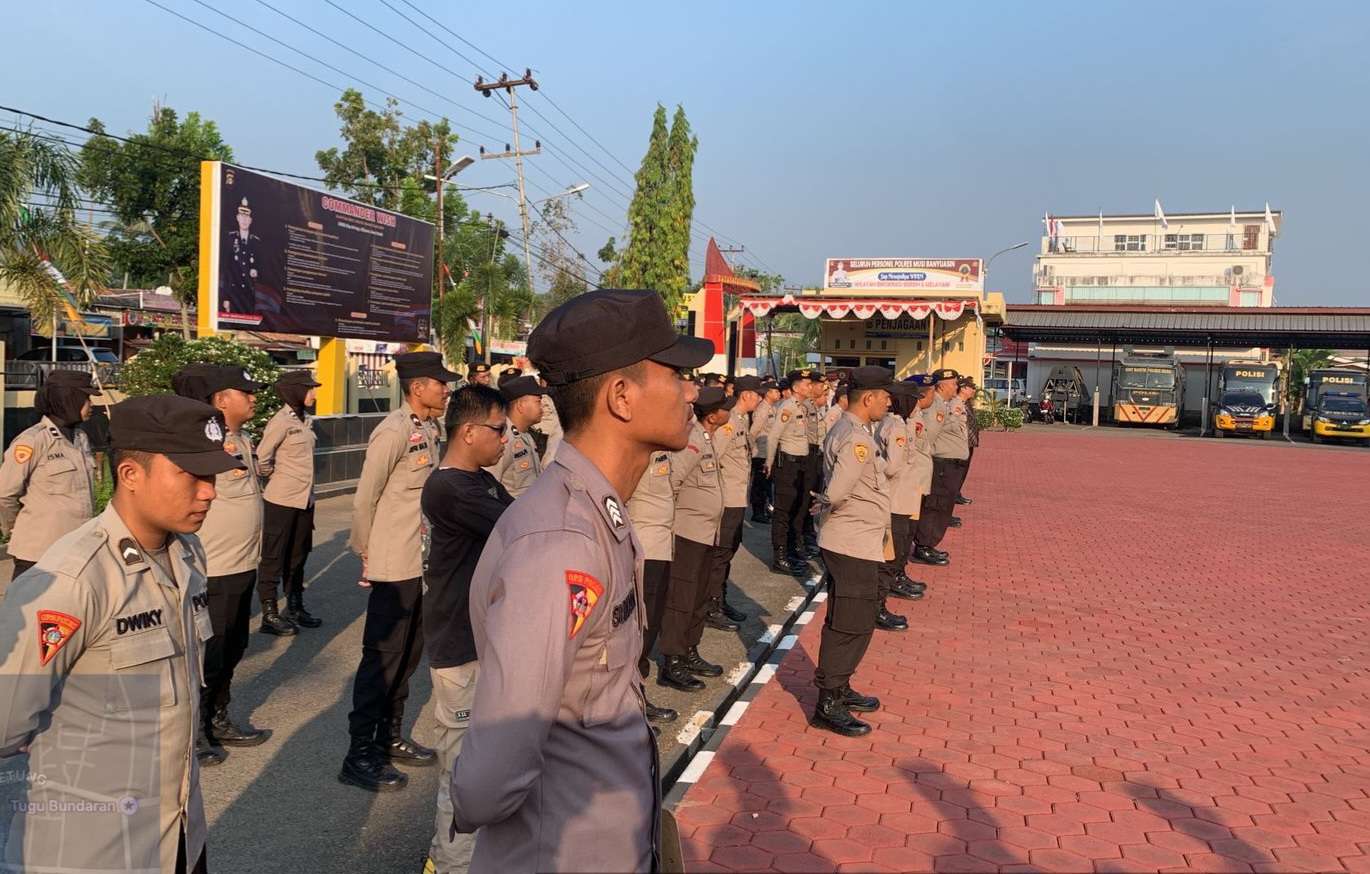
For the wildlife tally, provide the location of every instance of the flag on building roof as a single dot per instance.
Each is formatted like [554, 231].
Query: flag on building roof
[1160, 214]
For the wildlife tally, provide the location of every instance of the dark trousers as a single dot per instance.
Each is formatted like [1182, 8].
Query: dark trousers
[687, 602]
[200, 867]
[287, 538]
[392, 645]
[790, 506]
[20, 566]
[965, 473]
[813, 482]
[935, 516]
[853, 603]
[656, 582]
[230, 612]
[721, 556]
[901, 527]
[760, 489]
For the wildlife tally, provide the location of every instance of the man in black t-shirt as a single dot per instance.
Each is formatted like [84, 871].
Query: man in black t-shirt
[461, 503]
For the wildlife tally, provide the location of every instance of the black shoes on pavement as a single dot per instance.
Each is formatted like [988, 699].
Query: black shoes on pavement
[907, 589]
[297, 615]
[833, 714]
[928, 555]
[783, 564]
[887, 621]
[717, 619]
[222, 731]
[696, 665]
[955, 522]
[963, 500]
[732, 612]
[673, 674]
[406, 751]
[274, 623]
[660, 714]
[858, 703]
[206, 752]
[366, 767]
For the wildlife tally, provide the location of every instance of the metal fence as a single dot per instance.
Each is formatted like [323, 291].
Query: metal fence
[29, 375]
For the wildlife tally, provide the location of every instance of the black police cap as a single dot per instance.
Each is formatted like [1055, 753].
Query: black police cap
[412, 365]
[520, 386]
[806, 373]
[480, 367]
[602, 331]
[73, 379]
[870, 377]
[201, 381]
[944, 373]
[785, 384]
[711, 399]
[188, 432]
[749, 383]
[303, 378]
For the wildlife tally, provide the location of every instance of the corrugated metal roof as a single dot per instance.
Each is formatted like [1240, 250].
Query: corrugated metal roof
[1275, 326]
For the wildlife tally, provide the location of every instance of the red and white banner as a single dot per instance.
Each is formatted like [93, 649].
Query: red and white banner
[863, 308]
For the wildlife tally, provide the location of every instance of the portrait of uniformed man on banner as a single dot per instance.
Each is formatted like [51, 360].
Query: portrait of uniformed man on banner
[237, 288]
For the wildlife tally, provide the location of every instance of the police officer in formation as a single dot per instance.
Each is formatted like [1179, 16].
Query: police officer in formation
[47, 479]
[950, 449]
[231, 537]
[816, 430]
[787, 464]
[892, 434]
[652, 511]
[520, 465]
[698, 491]
[733, 444]
[762, 419]
[100, 654]
[854, 520]
[558, 770]
[387, 532]
[286, 458]
[966, 390]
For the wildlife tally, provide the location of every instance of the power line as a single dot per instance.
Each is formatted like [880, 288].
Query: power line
[498, 64]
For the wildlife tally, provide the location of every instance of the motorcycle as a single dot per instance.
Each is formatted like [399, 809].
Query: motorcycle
[1043, 411]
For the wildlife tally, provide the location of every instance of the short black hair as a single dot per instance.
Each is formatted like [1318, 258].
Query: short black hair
[406, 384]
[854, 395]
[137, 456]
[472, 403]
[575, 402]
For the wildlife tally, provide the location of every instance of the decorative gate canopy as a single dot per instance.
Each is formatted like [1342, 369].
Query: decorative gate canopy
[811, 307]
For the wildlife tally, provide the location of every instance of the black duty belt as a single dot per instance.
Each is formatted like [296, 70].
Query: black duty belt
[792, 455]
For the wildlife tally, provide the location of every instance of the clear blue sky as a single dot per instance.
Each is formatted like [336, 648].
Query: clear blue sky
[854, 129]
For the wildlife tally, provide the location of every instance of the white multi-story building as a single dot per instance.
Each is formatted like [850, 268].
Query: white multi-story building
[1180, 259]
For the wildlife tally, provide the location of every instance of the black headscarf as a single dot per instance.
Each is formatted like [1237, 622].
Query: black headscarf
[292, 393]
[62, 396]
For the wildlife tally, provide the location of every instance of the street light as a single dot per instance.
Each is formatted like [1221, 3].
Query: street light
[1008, 384]
[574, 189]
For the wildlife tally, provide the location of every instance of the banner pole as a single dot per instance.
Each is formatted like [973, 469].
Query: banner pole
[209, 239]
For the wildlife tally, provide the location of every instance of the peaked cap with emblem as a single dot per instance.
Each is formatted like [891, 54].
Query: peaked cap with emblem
[412, 365]
[201, 381]
[796, 375]
[520, 386]
[188, 432]
[712, 398]
[749, 383]
[75, 379]
[870, 377]
[944, 373]
[602, 331]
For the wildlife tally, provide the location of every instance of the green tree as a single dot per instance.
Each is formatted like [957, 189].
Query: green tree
[383, 161]
[152, 183]
[1301, 362]
[150, 371]
[561, 267]
[680, 158]
[645, 262]
[39, 230]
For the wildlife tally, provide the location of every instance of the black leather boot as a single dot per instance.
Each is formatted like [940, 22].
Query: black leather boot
[674, 675]
[206, 752]
[729, 610]
[963, 500]
[715, 619]
[295, 612]
[274, 623]
[660, 714]
[365, 768]
[783, 564]
[405, 750]
[928, 555]
[225, 732]
[858, 703]
[955, 522]
[811, 550]
[833, 715]
[903, 589]
[696, 665]
[914, 586]
[887, 621]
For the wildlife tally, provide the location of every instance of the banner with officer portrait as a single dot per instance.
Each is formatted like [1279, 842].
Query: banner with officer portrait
[890, 274]
[287, 259]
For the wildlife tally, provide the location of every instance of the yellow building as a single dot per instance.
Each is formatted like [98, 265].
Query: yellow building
[912, 315]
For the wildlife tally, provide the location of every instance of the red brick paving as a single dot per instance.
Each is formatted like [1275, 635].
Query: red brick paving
[1148, 654]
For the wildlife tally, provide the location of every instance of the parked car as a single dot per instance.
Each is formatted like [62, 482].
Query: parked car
[28, 371]
[998, 388]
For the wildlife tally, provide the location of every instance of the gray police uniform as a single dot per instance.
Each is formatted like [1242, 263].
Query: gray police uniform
[100, 676]
[550, 427]
[734, 446]
[816, 430]
[387, 529]
[787, 450]
[760, 426]
[851, 535]
[698, 514]
[519, 466]
[652, 510]
[950, 449]
[896, 446]
[286, 457]
[47, 488]
[558, 770]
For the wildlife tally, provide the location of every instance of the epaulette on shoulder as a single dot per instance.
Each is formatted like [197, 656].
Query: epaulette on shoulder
[80, 550]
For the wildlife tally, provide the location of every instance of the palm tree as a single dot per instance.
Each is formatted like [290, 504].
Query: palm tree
[1300, 362]
[44, 250]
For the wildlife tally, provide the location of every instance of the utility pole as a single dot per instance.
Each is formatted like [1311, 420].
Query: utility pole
[440, 184]
[508, 85]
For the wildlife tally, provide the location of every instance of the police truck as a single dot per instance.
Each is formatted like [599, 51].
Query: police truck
[1247, 401]
[1335, 381]
[1148, 388]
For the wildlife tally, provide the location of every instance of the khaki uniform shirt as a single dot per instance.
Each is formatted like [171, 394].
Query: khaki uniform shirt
[47, 488]
[550, 426]
[815, 428]
[286, 457]
[733, 444]
[762, 417]
[920, 460]
[953, 434]
[558, 769]
[232, 532]
[858, 510]
[897, 446]
[652, 509]
[519, 466]
[698, 489]
[831, 416]
[101, 661]
[788, 433]
[402, 452]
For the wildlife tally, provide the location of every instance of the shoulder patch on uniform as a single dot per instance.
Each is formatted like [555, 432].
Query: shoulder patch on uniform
[585, 592]
[54, 630]
[22, 453]
[861, 451]
[614, 510]
[918, 427]
[129, 552]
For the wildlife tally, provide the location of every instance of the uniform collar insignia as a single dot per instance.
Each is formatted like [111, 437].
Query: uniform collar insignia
[614, 510]
[129, 552]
